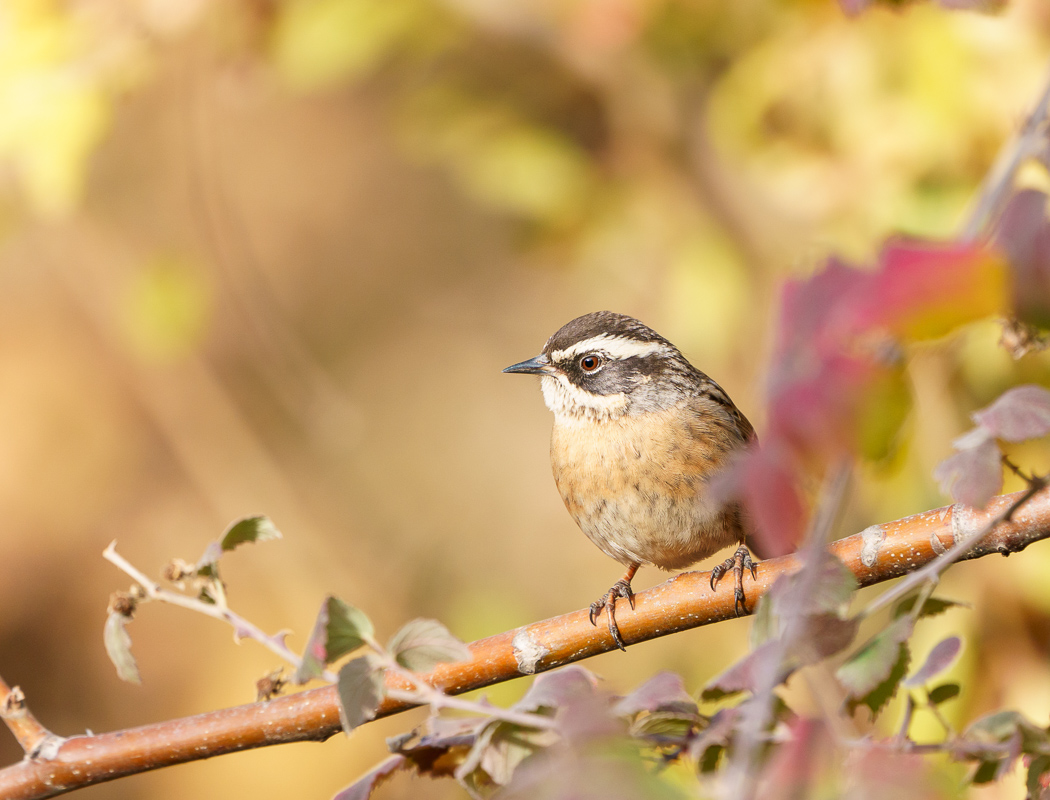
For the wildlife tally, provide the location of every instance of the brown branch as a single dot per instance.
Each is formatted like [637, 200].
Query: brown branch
[35, 739]
[880, 553]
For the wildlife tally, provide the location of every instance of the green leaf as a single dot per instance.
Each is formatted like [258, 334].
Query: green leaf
[881, 694]
[118, 647]
[709, 760]
[339, 629]
[243, 531]
[943, 693]
[987, 772]
[870, 666]
[1037, 769]
[931, 608]
[361, 690]
[422, 644]
[247, 530]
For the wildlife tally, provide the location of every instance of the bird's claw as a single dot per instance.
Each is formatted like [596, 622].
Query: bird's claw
[738, 562]
[622, 588]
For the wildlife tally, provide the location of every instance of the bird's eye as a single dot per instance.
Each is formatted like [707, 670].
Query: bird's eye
[590, 363]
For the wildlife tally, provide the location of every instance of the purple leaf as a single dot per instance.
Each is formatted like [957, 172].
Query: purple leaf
[422, 644]
[553, 689]
[361, 691]
[118, 647]
[362, 788]
[974, 475]
[664, 691]
[940, 658]
[1020, 413]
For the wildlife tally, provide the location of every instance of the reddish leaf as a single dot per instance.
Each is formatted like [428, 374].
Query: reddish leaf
[973, 475]
[362, 788]
[924, 290]
[1020, 413]
[773, 500]
[941, 657]
[816, 316]
[1024, 235]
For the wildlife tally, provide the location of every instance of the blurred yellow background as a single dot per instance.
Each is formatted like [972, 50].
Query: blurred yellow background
[270, 257]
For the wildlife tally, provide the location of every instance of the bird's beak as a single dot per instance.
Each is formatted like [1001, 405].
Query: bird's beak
[540, 365]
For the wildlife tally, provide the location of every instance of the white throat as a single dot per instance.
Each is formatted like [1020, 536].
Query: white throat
[572, 405]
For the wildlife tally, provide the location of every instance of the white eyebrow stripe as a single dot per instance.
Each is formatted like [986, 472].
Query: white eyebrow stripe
[616, 347]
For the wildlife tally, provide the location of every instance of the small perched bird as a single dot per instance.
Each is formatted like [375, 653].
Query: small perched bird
[639, 433]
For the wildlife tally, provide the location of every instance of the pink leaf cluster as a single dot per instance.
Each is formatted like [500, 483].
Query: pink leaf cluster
[836, 382]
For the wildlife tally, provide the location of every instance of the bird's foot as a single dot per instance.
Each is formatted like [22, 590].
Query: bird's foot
[738, 562]
[622, 588]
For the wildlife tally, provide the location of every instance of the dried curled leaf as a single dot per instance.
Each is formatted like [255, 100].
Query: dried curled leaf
[118, 647]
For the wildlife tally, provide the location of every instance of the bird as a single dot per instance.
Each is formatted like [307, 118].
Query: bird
[639, 434]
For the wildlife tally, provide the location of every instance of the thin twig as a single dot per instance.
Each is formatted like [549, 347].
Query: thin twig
[999, 180]
[35, 739]
[421, 694]
[242, 628]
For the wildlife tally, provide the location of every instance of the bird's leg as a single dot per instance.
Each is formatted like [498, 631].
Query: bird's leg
[622, 588]
[738, 562]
